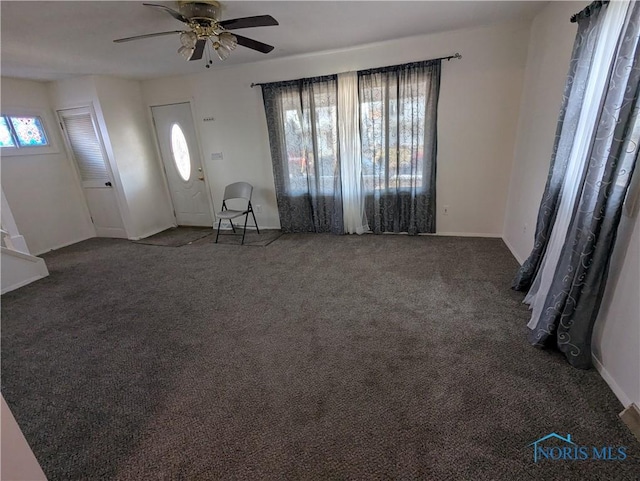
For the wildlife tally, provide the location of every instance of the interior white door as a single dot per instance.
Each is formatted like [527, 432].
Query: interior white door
[86, 147]
[182, 164]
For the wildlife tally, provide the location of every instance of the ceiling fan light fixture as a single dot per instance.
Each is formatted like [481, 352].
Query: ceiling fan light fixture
[222, 51]
[203, 25]
[228, 40]
[186, 52]
[188, 39]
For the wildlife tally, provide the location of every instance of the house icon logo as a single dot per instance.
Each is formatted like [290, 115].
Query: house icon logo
[539, 449]
[554, 447]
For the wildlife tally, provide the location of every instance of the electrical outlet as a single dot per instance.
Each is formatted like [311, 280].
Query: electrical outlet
[216, 156]
[258, 209]
[445, 210]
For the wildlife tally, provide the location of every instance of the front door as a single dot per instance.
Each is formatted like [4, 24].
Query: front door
[182, 164]
[85, 144]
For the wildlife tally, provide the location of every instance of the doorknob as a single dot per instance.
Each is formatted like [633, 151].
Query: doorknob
[108, 184]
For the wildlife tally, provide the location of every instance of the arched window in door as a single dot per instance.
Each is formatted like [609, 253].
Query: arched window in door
[180, 151]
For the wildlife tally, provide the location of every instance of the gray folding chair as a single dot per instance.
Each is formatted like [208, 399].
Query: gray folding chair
[239, 190]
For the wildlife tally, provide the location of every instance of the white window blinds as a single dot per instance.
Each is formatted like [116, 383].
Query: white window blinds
[85, 146]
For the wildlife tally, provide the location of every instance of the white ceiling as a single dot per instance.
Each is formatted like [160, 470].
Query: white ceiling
[48, 40]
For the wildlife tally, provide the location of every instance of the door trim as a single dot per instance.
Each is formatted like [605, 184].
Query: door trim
[100, 232]
[103, 135]
[163, 169]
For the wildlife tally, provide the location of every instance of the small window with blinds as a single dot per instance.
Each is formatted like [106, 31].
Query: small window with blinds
[86, 147]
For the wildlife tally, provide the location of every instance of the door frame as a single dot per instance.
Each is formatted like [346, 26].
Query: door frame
[117, 188]
[163, 169]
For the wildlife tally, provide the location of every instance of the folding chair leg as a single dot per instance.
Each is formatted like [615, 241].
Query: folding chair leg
[232, 226]
[246, 217]
[255, 221]
[218, 233]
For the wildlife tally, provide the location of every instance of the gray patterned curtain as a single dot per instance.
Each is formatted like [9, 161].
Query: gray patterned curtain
[303, 134]
[398, 112]
[571, 305]
[574, 91]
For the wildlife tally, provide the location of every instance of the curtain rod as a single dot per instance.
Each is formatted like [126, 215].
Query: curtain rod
[455, 55]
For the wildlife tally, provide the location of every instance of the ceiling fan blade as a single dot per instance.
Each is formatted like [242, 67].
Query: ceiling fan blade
[170, 11]
[246, 22]
[199, 49]
[253, 44]
[148, 35]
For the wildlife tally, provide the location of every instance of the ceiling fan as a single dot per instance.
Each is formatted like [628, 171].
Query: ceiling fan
[204, 24]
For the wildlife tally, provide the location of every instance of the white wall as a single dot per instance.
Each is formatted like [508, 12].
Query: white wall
[81, 92]
[135, 155]
[18, 461]
[548, 58]
[478, 111]
[616, 339]
[43, 190]
[142, 197]
[616, 336]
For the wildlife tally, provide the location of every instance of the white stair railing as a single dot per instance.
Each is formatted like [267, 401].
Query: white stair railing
[19, 267]
[6, 240]
[11, 238]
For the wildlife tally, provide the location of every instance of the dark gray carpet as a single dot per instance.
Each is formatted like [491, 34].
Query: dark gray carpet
[177, 236]
[319, 357]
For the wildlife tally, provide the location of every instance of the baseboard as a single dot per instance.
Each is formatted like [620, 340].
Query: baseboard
[60, 246]
[613, 385]
[20, 284]
[631, 417]
[152, 232]
[513, 251]
[444, 234]
[109, 233]
[467, 234]
[20, 254]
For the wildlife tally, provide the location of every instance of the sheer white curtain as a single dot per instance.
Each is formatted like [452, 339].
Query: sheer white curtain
[354, 218]
[603, 58]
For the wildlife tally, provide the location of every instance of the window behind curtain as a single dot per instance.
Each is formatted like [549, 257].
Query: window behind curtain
[303, 134]
[392, 136]
[398, 110]
[310, 136]
[397, 116]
